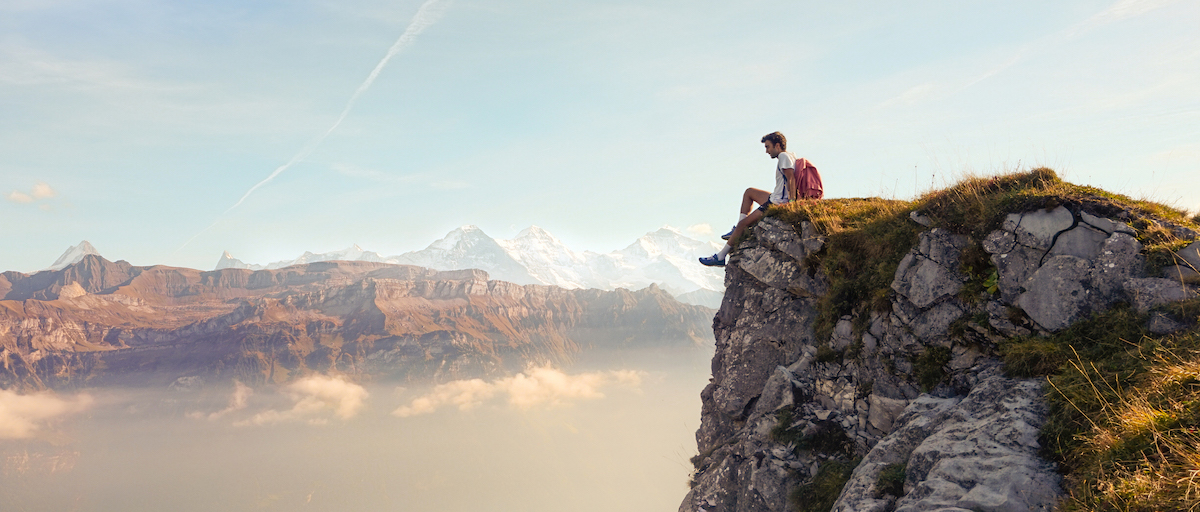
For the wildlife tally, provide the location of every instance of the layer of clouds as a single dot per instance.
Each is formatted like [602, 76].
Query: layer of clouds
[22, 416]
[536, 387]
[316, 399]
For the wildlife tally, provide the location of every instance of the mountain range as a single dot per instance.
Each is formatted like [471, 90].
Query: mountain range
[97, 322]
[664, 257]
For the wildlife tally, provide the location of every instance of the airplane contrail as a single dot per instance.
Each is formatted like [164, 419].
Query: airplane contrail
[426, 15]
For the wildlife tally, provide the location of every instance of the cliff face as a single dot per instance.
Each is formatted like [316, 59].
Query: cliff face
[99, 322]
[904, 406]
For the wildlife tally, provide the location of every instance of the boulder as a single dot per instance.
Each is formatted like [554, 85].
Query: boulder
[1146, 293]
[929, 273]
[974, 453]
[1058, 293]
[1191, 254]
[1181, 273]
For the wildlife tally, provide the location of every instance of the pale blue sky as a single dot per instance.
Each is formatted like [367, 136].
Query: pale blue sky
[137, 124]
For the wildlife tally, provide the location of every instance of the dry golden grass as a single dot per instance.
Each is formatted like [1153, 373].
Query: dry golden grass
[1128, 427]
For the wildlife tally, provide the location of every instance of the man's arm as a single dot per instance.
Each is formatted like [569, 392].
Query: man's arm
[791, 184]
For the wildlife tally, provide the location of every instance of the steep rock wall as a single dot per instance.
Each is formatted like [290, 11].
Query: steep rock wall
[915, 386]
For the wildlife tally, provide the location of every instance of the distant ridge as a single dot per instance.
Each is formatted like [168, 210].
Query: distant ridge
[664, 257]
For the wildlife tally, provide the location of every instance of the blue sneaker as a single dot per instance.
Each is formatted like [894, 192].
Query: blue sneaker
[712, 261]
[728, 235]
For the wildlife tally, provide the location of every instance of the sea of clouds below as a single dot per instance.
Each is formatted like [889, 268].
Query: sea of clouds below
[531, 441]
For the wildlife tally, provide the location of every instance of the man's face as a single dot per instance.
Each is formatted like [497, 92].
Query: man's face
[773, 149]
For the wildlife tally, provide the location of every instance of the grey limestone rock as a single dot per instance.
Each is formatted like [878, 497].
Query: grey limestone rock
[776, 256]
[1160, 323]
[1191, 254]
[1058, 293]
[1181, 273]
[1037, 229]
[929, 273]
[974, 453]
[974, 446]
[1146, 293]
[768, 267]
[1120, 259]
[884, 410]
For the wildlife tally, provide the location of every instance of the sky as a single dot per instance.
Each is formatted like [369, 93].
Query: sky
[166, 132]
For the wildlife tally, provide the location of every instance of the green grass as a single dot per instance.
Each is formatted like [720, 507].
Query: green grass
[827, 438]
[930, 367]
[820, 494]
[891, 481]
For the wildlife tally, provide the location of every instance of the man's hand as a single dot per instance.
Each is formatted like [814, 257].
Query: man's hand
[791, 184]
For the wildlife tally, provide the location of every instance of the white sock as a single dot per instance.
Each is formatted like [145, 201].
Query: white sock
[724, 252]
[742, 216]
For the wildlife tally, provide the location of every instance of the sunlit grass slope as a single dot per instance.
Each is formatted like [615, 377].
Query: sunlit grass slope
[1125, 404]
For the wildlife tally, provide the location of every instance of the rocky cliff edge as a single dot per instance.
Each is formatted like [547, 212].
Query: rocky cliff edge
[844, 379]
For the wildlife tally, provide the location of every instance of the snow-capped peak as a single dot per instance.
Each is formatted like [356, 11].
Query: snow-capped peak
[664, 257]
[453, 238]
[73, 255]
[228, 261]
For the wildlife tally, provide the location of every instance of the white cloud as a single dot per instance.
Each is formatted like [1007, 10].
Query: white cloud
[237, 402]
[41, 190]
[465, 394]
[700, 229]
[22, 415]
[536, 387]
[316, 398]
[17, 196]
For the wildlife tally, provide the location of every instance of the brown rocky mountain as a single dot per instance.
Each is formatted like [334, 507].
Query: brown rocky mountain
[99, 322]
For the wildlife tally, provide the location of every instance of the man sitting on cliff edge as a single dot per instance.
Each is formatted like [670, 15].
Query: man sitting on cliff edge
[790, 185]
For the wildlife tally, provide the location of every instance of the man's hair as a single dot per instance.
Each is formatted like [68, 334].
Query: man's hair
[776, 138]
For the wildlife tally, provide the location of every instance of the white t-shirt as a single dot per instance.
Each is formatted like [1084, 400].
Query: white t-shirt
[786, 161]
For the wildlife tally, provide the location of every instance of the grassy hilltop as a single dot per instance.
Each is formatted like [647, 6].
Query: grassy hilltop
[1125, 404]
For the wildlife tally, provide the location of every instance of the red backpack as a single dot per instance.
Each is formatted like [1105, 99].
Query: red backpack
[808, 180]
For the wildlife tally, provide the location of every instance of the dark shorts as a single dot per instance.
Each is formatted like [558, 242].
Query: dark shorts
[763, 208]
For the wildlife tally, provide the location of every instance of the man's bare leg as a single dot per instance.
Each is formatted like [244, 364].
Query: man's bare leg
[751, 196]
[745, 223]
[718, 259]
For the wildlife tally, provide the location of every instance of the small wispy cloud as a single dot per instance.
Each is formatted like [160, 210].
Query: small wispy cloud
[536, 387]
[1121, 10]
[22, 65]
[237, 402]
[315, 399]
[353, 171]
[40, 191]
[21, 416]
[450, 185]
[931, 90]
[703, 229]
